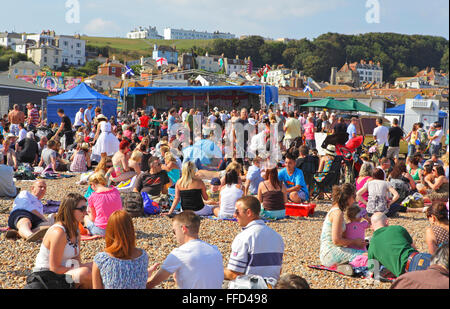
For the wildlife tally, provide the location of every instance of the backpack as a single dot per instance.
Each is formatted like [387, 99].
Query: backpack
[423, 137]
[150, 206]
[132, 203]
[49, 280]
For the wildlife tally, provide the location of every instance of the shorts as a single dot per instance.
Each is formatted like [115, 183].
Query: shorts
[311, 144]
[300, 194]
[420, 261]
[392, 152]
[95, 230]
[18, 214]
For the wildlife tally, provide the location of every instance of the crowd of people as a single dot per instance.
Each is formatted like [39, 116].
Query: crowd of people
[147, 151]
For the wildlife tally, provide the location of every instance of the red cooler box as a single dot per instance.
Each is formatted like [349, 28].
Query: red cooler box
[299, 210]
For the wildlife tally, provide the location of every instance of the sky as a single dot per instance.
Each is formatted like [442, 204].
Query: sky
[293, 19]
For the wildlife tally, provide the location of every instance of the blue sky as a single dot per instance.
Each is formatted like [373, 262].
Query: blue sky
[269, 18]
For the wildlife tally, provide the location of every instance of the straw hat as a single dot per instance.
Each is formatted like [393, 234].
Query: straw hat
[330, 150]
[101, 116]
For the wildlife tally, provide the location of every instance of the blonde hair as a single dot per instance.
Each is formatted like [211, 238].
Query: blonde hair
[187, 174]
[97, 178]
[164, 149]
[136, 156]
[169, 157]
[445, 159]
[234, 166]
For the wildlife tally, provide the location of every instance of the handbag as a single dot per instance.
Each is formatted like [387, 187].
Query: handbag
[47, 280]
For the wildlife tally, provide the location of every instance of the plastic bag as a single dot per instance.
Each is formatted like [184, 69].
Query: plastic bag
[150, 207]
[251, 282]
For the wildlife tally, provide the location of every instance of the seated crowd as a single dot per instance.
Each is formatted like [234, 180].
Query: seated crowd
[248, 194]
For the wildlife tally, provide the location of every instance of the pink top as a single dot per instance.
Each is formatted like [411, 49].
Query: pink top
[309, 130]
[104, 204]
[359, 185]
[356, 230]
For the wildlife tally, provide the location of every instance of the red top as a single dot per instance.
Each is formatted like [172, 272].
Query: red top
[144, 121]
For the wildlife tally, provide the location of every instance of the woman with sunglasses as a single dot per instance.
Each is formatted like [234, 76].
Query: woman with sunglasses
[60, 248]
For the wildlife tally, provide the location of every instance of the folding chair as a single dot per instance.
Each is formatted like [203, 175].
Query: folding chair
[331, 178]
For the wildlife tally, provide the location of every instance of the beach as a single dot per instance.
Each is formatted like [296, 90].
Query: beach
[154, 234]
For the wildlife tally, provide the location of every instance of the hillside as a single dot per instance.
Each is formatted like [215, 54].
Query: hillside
[134, 48]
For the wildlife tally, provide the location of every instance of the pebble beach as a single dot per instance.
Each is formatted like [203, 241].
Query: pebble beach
[154, 234]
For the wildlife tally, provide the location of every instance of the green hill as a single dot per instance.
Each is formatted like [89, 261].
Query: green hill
[134, 48]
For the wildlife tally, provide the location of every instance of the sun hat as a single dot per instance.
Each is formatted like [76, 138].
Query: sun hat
[10, 135]
[330, 150]
[101, 116]
[85, 146]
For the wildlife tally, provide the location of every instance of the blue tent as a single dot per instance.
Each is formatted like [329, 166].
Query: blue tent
[271, 92]
[80, 96]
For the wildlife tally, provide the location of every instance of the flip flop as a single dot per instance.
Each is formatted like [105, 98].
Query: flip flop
[38, 235]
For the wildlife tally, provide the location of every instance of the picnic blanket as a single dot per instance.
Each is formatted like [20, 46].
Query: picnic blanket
[53, 176]
[234, 219]
[359, 272]
[51, 207]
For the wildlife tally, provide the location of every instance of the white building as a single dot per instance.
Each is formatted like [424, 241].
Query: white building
[208, 63]
[13, 41]
[280, 77]
[144, 33]
[73, 47]
[181, 34]
[235, 65]
[369, 72]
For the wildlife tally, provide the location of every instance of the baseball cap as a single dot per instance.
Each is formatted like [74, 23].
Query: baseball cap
[215, 181]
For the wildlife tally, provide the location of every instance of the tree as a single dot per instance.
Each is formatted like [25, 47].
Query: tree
[444, 61]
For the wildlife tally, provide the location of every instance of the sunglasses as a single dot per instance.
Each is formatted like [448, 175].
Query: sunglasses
[82, 208]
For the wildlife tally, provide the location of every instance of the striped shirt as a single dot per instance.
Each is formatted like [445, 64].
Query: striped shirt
[257, 250]
[33, 116]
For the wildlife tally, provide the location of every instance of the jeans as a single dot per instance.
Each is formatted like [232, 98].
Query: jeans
[420, 261]
[435, 149]
[95, 230]
[411, 150]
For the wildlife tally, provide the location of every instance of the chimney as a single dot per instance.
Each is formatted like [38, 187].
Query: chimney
[362, 61]
[142, 60]
[206, 54]
[114, 57]
[333, 75]
[371, 62]
[379, 64]
[237, 57]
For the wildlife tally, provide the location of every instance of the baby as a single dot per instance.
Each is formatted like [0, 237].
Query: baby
[357, 227]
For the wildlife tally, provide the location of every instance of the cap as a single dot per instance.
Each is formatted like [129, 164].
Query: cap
[215, 181]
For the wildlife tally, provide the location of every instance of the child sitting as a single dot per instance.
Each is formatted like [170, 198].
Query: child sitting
[357, 227]
[80, 159]
[213, 192]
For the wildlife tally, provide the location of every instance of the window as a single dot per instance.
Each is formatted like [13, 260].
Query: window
[78, 44]
[45, 59]
[45, 51]
[78, 52]
[56, 60]
[66, 43]
[56, 52]
[113, 70]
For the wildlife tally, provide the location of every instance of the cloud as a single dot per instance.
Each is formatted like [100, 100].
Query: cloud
[100, 26]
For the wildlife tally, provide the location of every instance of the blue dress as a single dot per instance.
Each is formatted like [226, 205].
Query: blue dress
[122, 274]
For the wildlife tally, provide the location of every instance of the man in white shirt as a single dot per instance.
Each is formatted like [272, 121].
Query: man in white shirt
[22, 132]
[381, 133]
[351, 129]
[195, 264]
[435, 140]
[184, 115]
[79, 116]
[88, 115]
[27, 216]
[257, 250]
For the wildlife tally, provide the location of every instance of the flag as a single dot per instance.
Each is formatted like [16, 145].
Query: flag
[220, 62]
[160, 61]
[129, 71]
[308, 89]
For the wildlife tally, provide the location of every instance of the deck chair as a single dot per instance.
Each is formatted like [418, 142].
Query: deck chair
[331, 179]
